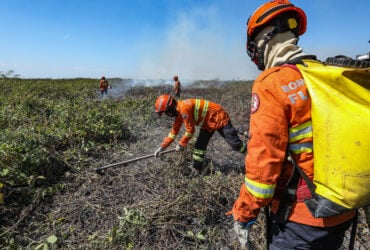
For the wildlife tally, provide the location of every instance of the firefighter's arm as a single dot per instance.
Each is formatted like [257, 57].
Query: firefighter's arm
[266, 153]
[189, 129]
[173, 134]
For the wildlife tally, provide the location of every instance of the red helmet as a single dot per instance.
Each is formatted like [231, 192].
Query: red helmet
[175, 77]
[282, 15]
[163, 103]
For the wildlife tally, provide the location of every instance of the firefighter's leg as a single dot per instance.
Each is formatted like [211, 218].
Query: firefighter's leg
[200, 149]
[230, 134]
[292, 235]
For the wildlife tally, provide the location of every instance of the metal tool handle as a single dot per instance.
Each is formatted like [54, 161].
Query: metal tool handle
[98, 170]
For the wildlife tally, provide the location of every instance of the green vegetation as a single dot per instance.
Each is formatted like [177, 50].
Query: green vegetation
[49, 126]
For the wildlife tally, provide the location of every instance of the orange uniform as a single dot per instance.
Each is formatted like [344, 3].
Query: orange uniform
[280, 120]
[103, 84]
[177, 88]
[196, 112]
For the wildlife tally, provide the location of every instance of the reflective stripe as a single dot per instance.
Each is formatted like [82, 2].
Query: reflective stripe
[299, 148]
[199, 151]
[196, 111]
[259, 190]
[198, 158]
[172, 136]
[300, 132]
[204, 113]
[189, 135]
[198, 155]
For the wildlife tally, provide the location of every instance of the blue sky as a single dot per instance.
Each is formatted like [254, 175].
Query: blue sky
[155, 39]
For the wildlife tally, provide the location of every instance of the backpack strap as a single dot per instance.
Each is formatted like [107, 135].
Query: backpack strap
[290, 193]
[299, 60]
[353, 232]
[309, 183]
[287, 198]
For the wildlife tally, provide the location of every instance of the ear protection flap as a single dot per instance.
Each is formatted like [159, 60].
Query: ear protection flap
[287, 22]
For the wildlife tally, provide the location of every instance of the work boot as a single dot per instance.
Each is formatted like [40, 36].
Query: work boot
[198, 166]
[194, 169]
[201, 168]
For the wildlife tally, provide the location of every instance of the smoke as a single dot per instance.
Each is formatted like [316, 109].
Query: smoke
[119, 87]
[199, 46]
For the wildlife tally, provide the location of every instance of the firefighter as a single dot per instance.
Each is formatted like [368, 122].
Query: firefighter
[103, 85]
[209, 116]
[177, 86]
[280, 120]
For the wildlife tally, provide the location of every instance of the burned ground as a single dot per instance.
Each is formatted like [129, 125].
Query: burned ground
[153, 203]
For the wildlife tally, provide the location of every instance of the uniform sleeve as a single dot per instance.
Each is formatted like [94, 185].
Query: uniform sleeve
[174, 132]
[268, 138]
[189, 123]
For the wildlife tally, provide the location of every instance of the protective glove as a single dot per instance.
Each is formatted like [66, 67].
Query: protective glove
[158, 151]
[242, 231]
[179, 148]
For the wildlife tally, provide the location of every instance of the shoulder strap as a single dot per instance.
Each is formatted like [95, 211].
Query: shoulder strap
[353, 232]
[309, 183]
[299, 60]
[289, 194]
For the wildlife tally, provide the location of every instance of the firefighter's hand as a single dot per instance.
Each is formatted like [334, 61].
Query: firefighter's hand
[242, 231]
[158, 151]
[179, 148]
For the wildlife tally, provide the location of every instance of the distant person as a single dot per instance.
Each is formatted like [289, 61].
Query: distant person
[104, 85]
[209, 116]
[177, 86]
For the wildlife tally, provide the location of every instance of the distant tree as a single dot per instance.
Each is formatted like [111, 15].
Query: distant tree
[9, 74]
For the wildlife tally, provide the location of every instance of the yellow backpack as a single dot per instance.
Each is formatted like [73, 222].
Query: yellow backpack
[340, 98]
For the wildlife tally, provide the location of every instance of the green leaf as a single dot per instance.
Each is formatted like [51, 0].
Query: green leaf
[200, 236]
[4, 172]
[190, 233]
[52, 239]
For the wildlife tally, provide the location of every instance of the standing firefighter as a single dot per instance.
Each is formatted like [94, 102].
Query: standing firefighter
[103, 85]
[177, 86]
[280, 130]
[209, 116]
